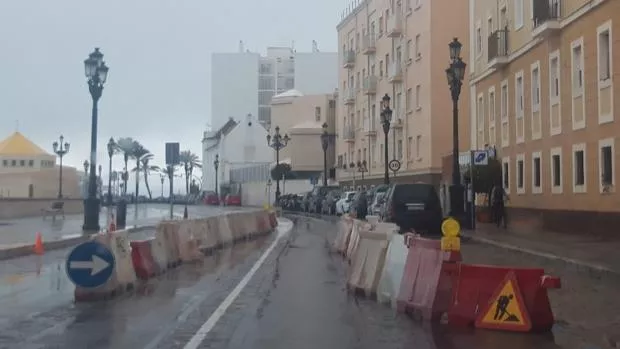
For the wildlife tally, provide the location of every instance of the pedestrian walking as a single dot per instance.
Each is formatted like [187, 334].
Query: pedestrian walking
[498, 199]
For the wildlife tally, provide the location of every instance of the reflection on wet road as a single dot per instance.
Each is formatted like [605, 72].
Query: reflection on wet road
[296, 299]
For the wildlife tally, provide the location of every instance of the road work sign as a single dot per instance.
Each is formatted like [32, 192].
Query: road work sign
[506, 310]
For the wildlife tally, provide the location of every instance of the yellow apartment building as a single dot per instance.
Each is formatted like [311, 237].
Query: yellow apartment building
[398, 47]
[542, 90]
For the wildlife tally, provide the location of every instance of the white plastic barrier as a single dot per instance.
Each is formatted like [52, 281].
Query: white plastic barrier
[123, 277]
[393, 269]
[369, 259]
[158, 250]
[344, 232]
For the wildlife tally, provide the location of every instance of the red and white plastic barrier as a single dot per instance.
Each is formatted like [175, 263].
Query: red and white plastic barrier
[174, 242]
[426, 277]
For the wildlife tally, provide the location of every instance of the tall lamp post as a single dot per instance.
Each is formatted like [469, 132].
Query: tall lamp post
[96, 72]
[162, 178]
[277, 142]
[325, 144]
[111, 150]
[455, 74]
[216, 165]
[61, 148]
[386, 119]
[86, 165]
[362, 167]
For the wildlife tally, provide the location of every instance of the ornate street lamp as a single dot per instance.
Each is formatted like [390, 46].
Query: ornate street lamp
[96, 73]
[111, 151]
[362, 167]
[216, 165]
[61, 148]
[86, 166]
[162, 178]
[277, 142]
[455, 74]
[325, 144]
[386, 119]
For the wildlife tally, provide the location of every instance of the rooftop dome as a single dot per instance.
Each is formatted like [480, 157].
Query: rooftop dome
[18, 144]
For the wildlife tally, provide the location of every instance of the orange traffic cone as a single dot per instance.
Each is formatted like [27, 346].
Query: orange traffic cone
[38, 245]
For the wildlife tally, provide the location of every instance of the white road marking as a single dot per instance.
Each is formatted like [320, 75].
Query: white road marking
[203, 331]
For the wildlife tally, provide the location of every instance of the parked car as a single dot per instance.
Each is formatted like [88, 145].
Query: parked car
[317, 196]
[359, 206]
[382, 188]
[376, 207]
[414, 207]
[211, 198]
[343, 205]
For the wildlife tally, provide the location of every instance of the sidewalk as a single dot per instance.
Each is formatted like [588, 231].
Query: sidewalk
[593, 252]
[23, 230]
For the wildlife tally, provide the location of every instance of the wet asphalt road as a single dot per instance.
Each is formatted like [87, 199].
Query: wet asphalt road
[296, 299]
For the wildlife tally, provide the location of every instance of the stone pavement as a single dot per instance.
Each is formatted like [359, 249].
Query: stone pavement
[585, 250]
[23, 230]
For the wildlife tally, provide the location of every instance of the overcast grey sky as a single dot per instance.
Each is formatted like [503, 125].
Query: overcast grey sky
[158, 52]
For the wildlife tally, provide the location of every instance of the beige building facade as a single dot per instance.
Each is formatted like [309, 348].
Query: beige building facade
[28, 171]
[399, 48]
[543, 91]
[302, 118]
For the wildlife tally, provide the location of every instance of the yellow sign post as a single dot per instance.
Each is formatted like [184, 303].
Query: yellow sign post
[450, 228]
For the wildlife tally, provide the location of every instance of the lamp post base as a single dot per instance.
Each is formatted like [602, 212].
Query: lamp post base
[457, 201]
[91, 215]
[185, 215]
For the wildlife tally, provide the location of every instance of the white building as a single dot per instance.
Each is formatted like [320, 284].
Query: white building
[239, 143]
[244, 82]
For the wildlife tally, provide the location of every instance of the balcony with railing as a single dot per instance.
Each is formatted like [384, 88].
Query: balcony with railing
[369, 44]
[348, 133]
[395, 25]
[348, 59]
[349, 96]
[498, 48]
[546, 16]
[370, 127]
[395, 72]
[370, 85]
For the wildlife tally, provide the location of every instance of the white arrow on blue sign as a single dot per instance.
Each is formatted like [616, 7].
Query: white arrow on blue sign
[481, 157]
[90, 264]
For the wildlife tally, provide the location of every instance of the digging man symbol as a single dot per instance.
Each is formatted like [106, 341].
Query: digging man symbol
[501, 309]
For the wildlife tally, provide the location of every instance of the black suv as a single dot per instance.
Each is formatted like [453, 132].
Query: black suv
[414, 206]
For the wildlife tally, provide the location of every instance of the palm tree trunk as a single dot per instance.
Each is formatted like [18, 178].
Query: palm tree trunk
[125, 177]
[137, 178]
[146, 182]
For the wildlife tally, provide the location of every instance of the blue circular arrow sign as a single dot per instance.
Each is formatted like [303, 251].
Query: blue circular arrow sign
[90, 264]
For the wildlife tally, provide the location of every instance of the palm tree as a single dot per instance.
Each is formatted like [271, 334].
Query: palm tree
[139, 152]
[146, 171]
[168, 171]
[189, 161]
[126, 147]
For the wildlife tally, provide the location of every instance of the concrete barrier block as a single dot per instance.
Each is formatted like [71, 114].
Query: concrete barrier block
[123, 277]
[188, 242]
[167, 233]
[225, 233]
